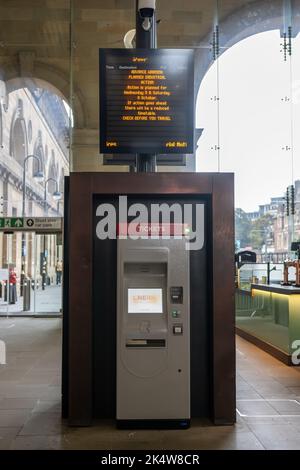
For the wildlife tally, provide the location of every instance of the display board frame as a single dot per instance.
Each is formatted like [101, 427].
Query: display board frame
[180, 145]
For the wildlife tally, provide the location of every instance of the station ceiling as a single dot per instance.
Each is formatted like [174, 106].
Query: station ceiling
[43, 25]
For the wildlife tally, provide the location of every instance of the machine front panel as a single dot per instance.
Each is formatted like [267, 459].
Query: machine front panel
[153, 349]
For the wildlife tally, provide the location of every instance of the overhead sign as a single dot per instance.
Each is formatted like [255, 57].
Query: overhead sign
[43, 223]
[147, 101]
[35, 224]
[11, 222]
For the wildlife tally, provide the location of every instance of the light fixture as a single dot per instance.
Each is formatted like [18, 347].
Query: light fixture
[129, 39]
[38, 176]
[56, 195]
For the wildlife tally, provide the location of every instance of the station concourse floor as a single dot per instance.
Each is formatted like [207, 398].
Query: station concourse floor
[268, 401]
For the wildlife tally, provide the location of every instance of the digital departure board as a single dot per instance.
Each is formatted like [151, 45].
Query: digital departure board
[147, 101]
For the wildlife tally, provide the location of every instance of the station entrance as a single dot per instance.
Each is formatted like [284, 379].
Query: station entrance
[31, 267]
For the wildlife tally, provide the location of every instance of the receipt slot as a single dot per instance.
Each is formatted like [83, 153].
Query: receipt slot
[153, 337]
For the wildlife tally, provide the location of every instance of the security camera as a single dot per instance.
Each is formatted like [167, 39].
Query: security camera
[146, 10]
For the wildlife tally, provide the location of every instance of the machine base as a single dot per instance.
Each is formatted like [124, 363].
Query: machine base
[153, 423]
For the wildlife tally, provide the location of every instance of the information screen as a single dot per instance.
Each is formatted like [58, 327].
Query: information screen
[145, 301]
[147, 101]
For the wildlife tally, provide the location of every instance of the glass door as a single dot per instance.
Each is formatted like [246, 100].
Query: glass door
[11, 268]
[30, 274]
[48, 274]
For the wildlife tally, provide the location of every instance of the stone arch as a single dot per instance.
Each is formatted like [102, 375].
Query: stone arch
[253, 18]
[18, 136]
[55, 79]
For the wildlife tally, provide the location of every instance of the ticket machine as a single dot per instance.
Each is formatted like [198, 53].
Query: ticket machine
[153, 337]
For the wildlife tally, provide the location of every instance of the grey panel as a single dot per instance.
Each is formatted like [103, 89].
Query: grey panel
[153, 348]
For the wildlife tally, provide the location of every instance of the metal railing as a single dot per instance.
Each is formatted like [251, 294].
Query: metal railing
[274, 257]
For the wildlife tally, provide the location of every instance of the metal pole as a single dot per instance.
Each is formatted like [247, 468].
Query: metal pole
[45, 197]
[289, 217]
[8, 266]
[45, 193]
[145, 163]
[44, 239]
[24, 188]
[71, 88]
[44, 260]
[23, 242]
[35, 266]
[60, 201]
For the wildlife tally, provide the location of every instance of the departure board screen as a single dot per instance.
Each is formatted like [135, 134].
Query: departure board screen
[147, 101]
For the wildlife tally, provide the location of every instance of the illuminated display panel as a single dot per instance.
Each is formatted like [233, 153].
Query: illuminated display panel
[145, 301]
[147, 101]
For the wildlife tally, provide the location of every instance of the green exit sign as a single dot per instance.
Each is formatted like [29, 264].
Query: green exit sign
[11, 222]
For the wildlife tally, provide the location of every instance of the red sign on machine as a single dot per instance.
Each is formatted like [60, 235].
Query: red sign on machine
[152, 229]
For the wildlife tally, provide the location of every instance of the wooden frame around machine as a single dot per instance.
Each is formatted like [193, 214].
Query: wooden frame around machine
[78, 319]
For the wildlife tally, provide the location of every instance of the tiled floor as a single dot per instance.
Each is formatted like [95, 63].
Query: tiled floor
[268, 394]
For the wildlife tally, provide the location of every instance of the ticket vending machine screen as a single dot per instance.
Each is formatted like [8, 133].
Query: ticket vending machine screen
[145, 301]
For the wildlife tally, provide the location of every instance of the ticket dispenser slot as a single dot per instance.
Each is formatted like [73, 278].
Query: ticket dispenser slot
[152, 345]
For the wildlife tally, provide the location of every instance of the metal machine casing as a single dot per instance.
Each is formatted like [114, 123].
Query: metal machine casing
[153, 349]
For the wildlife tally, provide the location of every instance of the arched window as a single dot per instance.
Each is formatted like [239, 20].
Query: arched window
[18, 136]
[30, 130]
[52, 173]
[38, 152]
[62, 181]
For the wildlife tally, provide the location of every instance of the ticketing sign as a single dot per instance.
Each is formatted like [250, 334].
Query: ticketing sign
[147, 101]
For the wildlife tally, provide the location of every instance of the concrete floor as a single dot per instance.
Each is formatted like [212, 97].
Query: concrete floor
[268, 404]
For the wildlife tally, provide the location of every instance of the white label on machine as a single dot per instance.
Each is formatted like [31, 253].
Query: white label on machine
[145, 301]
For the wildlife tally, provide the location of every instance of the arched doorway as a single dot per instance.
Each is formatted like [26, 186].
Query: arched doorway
[36, 127]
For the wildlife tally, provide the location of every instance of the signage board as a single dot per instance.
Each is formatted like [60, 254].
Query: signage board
[43, 223]
[11, 222]
[147, 101]
[35, 224]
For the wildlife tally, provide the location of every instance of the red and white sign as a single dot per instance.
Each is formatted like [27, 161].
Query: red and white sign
[152, 229]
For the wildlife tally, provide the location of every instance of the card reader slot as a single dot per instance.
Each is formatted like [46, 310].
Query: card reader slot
[146, 343]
